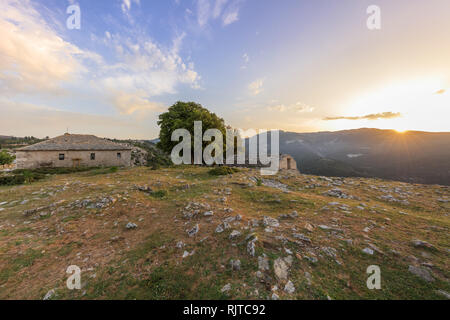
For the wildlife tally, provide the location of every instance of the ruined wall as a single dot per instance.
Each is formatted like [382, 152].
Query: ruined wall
[38, 159]
[287, 162]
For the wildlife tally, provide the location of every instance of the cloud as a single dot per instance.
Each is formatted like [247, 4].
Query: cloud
[33, 57]
[36, 61]
[256, 87]
[131, 103]
[299, 107]
[203, 12]
[375, 116]
[146, 70]
[230, 17]
[227, 11]
[126, 5]
[246, 59]
[218, 8]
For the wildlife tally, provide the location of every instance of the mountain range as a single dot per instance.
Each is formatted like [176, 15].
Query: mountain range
[412, 156]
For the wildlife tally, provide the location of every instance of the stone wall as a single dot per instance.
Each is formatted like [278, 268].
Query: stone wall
[287, 162]
[39, 159]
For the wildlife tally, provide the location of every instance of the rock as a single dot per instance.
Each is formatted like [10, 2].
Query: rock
[226, 288]
[422, 244]
[235, 265]
[281, 269]
[309, 227]
[311, 259]
[301, 237]
[421, 272]
[180, 244]
[193, 231]
[251, 247]
[308, 278]
[234, 234]
[219, 229]
[131, 225]
[368, 251]
[275, 297]
[50, 294]
[324, 227]
[263, 263]
[292, 215]
[270, 222]
[289, 287]
[443, 293]
[187, 254]
[30, 212]
[208, 214]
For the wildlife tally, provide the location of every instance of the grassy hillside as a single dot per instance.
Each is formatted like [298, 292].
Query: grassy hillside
[189, 225]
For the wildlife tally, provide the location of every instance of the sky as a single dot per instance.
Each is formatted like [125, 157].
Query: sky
[301, 66]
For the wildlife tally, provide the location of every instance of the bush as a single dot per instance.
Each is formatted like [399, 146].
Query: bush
[6, 158]
[12, 180]
[158, 194]
[222, 171]
[54, 170]
[18, 179]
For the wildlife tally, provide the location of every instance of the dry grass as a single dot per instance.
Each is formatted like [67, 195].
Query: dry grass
[144, 263]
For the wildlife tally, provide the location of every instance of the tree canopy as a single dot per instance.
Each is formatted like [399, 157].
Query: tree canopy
[182, 115]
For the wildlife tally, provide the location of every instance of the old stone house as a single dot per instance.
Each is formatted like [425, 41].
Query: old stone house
[73, 150]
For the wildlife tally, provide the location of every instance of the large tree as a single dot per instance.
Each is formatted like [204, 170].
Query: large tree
[182, 116]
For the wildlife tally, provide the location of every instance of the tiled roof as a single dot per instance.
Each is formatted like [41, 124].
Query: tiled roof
[75, 142]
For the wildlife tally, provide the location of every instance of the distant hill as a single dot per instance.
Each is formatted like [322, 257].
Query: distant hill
[413, 156]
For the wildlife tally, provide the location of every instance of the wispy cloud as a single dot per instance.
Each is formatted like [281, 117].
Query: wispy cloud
[246, 59]
[374, 116]
[126, 5]
[225, 10]
[298, 107]
[256, 87]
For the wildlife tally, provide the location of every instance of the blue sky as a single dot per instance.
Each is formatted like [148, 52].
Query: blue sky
[290, 64]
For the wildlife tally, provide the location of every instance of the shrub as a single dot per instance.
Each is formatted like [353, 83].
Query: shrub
[18, 179]
[6, 158]
[158, 194]
[222, 171]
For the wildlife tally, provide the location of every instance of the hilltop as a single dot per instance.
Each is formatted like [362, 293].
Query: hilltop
[181, 233]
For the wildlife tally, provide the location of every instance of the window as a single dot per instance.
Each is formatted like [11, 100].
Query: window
[92, 156]
[61, 156]
[119, 155]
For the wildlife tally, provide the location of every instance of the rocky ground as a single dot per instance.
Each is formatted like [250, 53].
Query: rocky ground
[180, 233]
